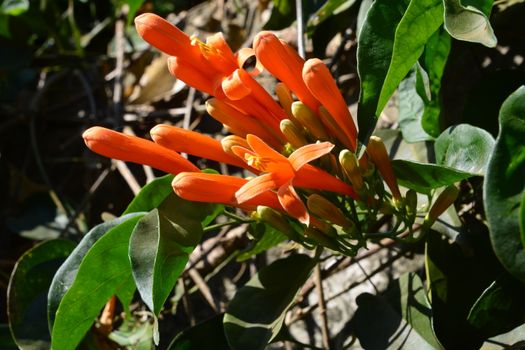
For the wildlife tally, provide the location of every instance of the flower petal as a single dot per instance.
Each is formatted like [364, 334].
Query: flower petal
[311, 177]
[274, 162]
[293, 205]
[306, 154]
[257, 186]
[234, 87]
[191, 75]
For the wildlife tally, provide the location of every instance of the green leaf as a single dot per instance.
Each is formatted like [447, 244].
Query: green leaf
[402, 318]
[206, 335]
[457, 274]
[424, 177]
[505, 183]
[134, 335]
[468, 20]
[329, 9]
[464, 147]
[256, 313]
[105, 271]
[151, 195]
[522, 219]
[282, 15]
[160, 245]
[66, 274]
[411, 109]
[434, 59]
[391, 40]
[14, 7]
[134, 5]
[500, 308]
[270, 238]
[28, 289]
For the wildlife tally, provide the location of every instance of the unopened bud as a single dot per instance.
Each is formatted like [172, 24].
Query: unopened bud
[444, 200]
[309, 120]
[233, 140]
[321, 238]
[324, 209]
[348, 161]
[377, 151]
[411, 204]
[293, 134]
[278, 221]
[331, 124]
[285, 98]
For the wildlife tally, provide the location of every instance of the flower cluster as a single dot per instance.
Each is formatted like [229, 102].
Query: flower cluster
[301, 149]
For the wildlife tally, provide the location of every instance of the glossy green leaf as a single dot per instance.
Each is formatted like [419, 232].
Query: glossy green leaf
[256, 313]
[329, 9]
[468, 20]
[66, 274]
[391, 40]
[151, 195]
[464, 147]
[457, 273]
[28, 289]
[434, 59]
[134, 5]
[505, 183]
[522, 219]
[134, 335]
[269, 239]
[282, 15]
[14, 7]
[500, 308]
[411, 108]
[206, 335]
[105, 271]
[160, 245]
[424, 177]
[402, 318]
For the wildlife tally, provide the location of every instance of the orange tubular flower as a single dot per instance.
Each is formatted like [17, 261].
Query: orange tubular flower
[194, 143]
[284, 64]
[215, 188]
[279, 173]
[113, 144]
[321, 84]
[377, 151]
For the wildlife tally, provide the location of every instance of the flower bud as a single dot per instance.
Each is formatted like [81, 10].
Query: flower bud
[377, 151]
[277, 220]
[348, 162]
[321, 238]
[444, 200]
[411, 204]
[324, 209]
[285, 98]
[309, 120]
[293, 134]
[331, 124]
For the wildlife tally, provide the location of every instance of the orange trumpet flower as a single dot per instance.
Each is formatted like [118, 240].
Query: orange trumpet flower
[279, 173]
[321, 84]
[113, 144]
[216, 188]
[194, 143]
[284, 64]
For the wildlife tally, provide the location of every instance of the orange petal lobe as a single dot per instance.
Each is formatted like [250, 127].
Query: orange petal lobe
[234, 87]
[306, 154]
[311, 177]
[113, 144]
[293, 205]
[257, 186]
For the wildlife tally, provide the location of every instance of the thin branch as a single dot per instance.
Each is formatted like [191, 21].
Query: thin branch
[300, 27]
[325, 332]
[203, 287]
